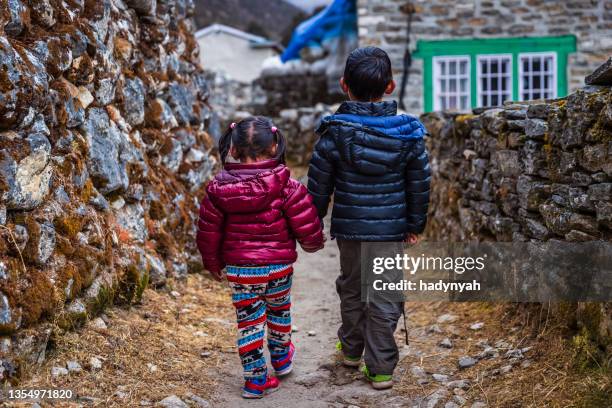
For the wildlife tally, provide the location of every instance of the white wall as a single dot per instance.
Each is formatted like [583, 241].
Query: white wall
[232, 55]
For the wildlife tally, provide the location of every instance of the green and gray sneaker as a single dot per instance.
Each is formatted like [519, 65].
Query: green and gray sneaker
[378, 381]
[348, 360]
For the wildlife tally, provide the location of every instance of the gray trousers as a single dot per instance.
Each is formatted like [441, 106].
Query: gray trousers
[367, 327]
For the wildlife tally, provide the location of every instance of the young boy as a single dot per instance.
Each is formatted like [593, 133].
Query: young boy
[377, 164]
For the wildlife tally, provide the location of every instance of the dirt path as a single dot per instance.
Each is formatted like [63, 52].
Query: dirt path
[318, 379]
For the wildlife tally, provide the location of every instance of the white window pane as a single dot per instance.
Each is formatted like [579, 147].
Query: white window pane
[451, 83]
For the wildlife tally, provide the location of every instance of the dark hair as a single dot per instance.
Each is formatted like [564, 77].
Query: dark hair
[368, 73]
[253, 137]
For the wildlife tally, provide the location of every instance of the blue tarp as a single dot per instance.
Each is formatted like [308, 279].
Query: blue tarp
[339, 19]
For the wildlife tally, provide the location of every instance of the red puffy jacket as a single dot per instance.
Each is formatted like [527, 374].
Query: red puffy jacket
[253, 214]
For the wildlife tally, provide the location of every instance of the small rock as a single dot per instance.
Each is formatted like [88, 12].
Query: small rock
[477, 326]
[469, 154]
[195, 156]
[152, 367]
[118, 203]
[205, 354]
[95, 363]
[121, 394]
[446, 343]
[73, 366]
[459, 400]
[173, 402]
[98, 323]
[446, 318]
[526, 364]
[418, 371]
[198, 401]
[295, 329]
[440, 378]
[434, 328]
[58, 371]
[451, 404]
[505, 369]
[2, 214]
[175, 294]
[312, 333]
[462, 384]
[99, 202]
[502, 344]
[479, 404]
[489, 352]
[514, 353]
[145, 403]
[435, 399]
[466, 362]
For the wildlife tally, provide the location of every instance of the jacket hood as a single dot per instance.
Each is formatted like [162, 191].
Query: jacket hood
[372, 137]
[246, 188]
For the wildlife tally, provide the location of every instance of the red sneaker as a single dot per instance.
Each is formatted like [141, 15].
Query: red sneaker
[254, 389]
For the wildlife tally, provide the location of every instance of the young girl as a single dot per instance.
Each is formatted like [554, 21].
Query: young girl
[249, 222]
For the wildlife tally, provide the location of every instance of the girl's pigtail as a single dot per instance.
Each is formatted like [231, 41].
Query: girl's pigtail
[281, 146]
[225, 143]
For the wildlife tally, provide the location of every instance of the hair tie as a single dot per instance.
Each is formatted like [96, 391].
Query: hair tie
[233, 125]
[274, 129]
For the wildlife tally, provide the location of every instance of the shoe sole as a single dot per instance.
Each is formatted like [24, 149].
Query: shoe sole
[351, 363]
[285, 372]
[382, 385]
[248, 395]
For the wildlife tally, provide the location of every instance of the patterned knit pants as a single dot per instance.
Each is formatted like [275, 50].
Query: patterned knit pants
[261, 295]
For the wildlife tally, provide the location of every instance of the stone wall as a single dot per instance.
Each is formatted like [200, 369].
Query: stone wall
[293, 86]
[103, 152]
[526, 172]
[382, 23]
[298, 126]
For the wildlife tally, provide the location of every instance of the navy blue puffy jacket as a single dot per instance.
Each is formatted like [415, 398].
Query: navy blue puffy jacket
[375, 163]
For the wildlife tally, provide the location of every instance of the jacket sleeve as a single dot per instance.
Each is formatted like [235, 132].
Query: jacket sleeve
[210, 235]
[303, 221]
[418, 180]
[321, 175]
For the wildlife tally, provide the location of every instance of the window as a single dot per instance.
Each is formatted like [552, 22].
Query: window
[538, 76]
[452, 83]
[461, 74]
[494, 79]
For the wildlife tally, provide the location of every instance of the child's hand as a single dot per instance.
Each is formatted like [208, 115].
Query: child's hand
[217, 275]
[412, 239]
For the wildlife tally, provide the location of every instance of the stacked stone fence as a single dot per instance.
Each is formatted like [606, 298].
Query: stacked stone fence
[527, 172]
[103, 155]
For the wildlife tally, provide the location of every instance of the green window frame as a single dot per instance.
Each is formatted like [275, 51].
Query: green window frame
[516, 47]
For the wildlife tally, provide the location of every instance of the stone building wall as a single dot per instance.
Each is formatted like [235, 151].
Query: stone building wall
[103, 153]
[527, 172]
[382, 23]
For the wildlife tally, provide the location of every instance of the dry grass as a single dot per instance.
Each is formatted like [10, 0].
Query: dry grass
[169, 332]
[549, 380]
